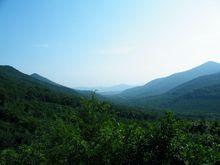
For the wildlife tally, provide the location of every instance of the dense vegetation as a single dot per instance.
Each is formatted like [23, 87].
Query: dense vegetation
[41, 124]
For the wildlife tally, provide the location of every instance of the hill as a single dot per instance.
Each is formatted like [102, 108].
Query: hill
[41, 78]
[19, 85]
[199, 95]
[116, 89]
[203, 100]
[163, 85]
[197, 83]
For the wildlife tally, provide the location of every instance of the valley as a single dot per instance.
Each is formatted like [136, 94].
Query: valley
[43, 122]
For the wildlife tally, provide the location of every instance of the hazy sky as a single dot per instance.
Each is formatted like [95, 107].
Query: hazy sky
[107, 42]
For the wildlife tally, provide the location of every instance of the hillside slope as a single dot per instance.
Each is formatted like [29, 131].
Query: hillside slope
[15, 84]
[200, 82]
[199, 95]
[163, 85]
[41, 78]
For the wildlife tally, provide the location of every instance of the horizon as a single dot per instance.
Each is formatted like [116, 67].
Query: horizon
[114, 85]
[90, 44]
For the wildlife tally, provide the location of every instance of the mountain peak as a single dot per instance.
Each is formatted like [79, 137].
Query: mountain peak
[9, 70]
[211, 63]
[41, 78]
[162, 85]
[35, 75]
[7, 67]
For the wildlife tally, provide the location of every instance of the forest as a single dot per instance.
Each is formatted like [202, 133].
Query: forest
[42, 124]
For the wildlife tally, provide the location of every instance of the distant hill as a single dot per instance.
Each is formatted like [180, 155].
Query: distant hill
[205, 99]
[85, 93]
[14, 79]
[41, 78]
[107, 90]
[163, 85]
[197, 83]
[198, 95]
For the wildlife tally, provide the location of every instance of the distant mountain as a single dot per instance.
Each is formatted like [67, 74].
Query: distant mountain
[11, 77]
[163, 85]
[205, 99]
[197, 83]
[201, 94]
[107, 90]
[41, 78]
[85, 93]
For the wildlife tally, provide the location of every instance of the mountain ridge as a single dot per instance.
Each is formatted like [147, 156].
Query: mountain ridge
[9, 73]
[163, 85]
[197, 83]
[41, 78]
[201, 94]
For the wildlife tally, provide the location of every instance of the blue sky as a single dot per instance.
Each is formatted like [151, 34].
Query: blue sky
[107, 42]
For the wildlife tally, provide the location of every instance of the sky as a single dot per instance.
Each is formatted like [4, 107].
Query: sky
[108, 42]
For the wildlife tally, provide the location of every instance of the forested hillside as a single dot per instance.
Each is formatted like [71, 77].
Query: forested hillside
[199, 97]
[163, 85]
[200, 82]
[43, 124]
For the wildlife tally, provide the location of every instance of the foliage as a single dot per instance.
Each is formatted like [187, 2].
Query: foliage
[39, 125]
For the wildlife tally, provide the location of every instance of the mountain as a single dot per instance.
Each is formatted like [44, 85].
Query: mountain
[13, 79]
[163, 85]
[85, 93]
[201, 95]
[41, 78]
[197, 83]
[107, 90]
[202, 100]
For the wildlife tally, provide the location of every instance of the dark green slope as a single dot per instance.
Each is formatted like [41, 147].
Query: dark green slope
[202, 100]
[11, 74]
[16, 85]
[199, 95]
[29, 106]
[163, 85]
[65, 89]
[200, 82]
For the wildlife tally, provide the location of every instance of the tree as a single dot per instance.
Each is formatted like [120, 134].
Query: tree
[3, 96]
